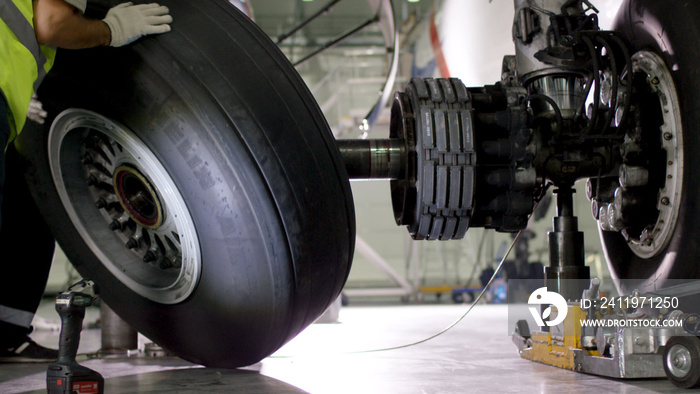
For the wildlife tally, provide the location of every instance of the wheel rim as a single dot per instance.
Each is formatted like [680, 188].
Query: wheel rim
[678, 361]
[656, 237]
[124, 205]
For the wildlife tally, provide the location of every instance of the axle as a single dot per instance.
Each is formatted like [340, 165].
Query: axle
[374, 159]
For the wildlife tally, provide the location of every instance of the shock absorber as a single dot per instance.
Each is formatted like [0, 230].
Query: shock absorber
[567, 273]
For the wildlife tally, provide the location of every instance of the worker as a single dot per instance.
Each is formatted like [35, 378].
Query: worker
[29, 32]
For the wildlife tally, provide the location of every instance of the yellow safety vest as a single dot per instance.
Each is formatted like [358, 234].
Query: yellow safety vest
[23, 62]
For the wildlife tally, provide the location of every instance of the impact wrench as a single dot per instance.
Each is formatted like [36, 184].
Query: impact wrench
[66, 375]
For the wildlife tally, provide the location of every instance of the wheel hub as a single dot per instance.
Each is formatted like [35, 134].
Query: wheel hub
[678, 361]
[128, 211]
[643, 202]
[660, 80]
[137, 197]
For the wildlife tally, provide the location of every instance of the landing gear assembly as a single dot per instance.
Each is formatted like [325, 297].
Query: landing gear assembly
[580, 106]
[575, 102]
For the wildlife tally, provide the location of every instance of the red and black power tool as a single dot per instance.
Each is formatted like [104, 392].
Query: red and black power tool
[66, 375]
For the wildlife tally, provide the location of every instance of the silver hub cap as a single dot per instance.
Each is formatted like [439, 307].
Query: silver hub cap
[678, 361]
[125, 206]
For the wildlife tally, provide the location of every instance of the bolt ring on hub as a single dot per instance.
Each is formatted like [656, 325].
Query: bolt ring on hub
[129, 211]
[660, 81]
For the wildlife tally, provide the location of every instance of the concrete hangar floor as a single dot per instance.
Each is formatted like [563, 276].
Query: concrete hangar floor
[476, 356]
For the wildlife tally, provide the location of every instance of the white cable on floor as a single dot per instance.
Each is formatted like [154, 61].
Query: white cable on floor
[449, 327]
[446, 329]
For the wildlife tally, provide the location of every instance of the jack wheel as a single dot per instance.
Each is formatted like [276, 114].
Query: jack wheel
[682, 361]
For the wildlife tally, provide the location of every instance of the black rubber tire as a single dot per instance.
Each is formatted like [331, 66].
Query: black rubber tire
[692, 345]
[671, 30]
[275, 218]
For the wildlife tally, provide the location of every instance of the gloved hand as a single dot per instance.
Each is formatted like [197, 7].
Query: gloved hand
[129, 22]
[36, 111]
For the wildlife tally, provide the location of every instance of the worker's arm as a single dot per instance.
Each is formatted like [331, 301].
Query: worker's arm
[61, 25]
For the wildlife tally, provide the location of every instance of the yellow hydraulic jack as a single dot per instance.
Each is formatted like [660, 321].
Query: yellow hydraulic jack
[556, 347]
[612, 337]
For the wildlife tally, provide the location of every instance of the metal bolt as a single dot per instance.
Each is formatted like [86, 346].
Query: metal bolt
[665, 200]
[118, 223]
[670, 163]
[101, 203]
[590, 188]
[668, 136]
[655, 80]
[646, 238]
[149, 257]
[633, 176]
[625, 235]
[595, 209]
[132, 243]
[165, 264]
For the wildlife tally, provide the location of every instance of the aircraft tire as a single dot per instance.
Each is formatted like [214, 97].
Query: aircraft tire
[204, 148]
[669, 30]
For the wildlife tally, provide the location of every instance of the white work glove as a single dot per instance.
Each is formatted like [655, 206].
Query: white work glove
[36, 111]
[129, 22]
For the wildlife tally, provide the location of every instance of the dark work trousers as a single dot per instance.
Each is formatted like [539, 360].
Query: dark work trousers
[4, 137]
[26, 245]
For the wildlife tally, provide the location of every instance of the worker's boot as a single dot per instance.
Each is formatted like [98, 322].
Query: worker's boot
[17, 347]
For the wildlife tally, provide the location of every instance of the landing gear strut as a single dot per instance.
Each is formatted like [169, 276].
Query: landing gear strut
[567, 273]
